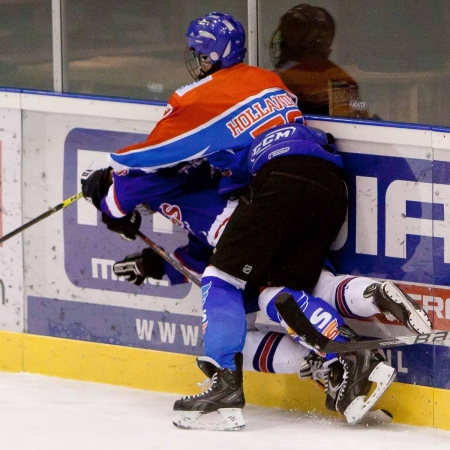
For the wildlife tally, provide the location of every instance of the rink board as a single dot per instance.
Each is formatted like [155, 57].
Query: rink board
[64, 313]
[166, 372]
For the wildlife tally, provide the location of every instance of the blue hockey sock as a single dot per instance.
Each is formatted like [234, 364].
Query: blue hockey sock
[223, 325]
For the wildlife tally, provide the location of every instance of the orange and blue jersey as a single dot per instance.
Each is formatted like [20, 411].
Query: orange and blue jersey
[222, 118]
[224, 112]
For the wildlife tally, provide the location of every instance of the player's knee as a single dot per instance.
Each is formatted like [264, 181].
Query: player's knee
[212, 271]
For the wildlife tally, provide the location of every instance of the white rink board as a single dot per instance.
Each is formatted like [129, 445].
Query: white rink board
[11, 260]
[44, 139]
[57, 274]
[48, 123]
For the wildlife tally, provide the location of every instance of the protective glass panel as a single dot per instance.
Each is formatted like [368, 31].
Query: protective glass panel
[388, 60]
[131, 49]
[26, 44]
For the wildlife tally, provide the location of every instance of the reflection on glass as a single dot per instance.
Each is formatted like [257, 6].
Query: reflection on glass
[26, 44]
[300, 48]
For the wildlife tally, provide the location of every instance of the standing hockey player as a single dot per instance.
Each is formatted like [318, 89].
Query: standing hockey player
[352, 296]
[291, 209]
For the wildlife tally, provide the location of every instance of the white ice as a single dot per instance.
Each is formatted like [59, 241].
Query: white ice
[38, 412]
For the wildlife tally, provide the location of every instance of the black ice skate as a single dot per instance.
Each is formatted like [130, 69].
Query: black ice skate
[391, 301]
[333, 377]
[225, 395]
[350, 379]
[327, 374]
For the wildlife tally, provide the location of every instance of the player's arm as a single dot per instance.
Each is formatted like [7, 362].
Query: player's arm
[95, 186]
[117, 195]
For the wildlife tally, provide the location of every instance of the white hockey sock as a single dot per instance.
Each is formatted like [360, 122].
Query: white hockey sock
[350, 300]
[272, 352]
[346, 294]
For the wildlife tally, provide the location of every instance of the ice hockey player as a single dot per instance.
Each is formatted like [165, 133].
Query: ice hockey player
[219, 117]
[188, 196]
[273, 352]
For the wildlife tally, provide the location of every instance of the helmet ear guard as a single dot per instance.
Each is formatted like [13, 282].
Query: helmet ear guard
[216, 41]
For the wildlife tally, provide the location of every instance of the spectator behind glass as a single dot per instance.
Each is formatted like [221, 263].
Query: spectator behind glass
[299, 50]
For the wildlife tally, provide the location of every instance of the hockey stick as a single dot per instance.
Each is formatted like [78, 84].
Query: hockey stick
[147, 240]
[301, 326]
[48, 213]
[161, 252]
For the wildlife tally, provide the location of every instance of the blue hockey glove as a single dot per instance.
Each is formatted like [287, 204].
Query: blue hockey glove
[138, 266]
[126, 227]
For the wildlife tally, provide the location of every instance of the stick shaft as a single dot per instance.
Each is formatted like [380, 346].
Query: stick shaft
[300, 324]
[157, 249]
[43, 216]
[147, 240]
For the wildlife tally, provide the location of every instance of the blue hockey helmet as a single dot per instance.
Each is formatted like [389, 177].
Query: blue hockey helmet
[216, 41]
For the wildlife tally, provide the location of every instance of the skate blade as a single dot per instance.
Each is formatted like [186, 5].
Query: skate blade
[383, 375]
[419, 322]
[231, 419]
[376, 417]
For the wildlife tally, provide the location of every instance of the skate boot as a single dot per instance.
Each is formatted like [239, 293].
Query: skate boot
[391, 301]
[324, 371]
[350, 379]
[312, 368]
[333, 378]
[225, 396]
[326, 374]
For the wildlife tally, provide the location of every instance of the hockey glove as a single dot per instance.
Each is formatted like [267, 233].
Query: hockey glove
[126, 227]
[95, 185]
[137, 267]
[331, 144]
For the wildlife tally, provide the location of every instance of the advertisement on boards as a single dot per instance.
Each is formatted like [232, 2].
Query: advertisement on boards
[396, 229]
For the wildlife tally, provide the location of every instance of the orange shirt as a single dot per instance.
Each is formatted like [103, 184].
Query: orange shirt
[323, 88]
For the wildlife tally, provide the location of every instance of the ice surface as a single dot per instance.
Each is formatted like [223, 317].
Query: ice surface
[38, 412]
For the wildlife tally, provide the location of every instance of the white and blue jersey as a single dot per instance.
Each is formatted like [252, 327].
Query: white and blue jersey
[186, 195]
